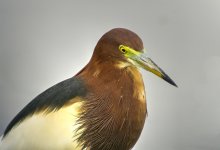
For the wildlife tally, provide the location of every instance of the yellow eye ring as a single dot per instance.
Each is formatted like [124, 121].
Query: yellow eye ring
[122, 49]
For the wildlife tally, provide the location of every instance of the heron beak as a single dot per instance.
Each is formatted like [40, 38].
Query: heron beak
[149, 65]
[140, 59]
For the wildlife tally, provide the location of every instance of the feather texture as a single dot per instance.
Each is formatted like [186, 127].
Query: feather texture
[50, 100]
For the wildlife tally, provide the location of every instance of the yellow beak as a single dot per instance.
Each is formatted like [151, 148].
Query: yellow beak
[149, 65]
[140, 59]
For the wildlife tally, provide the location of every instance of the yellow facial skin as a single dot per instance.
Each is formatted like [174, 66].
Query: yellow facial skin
[140, 59]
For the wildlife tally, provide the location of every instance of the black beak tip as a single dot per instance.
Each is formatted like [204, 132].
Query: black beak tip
[169, 80]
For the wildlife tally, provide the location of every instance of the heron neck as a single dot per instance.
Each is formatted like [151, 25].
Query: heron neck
[115, 105]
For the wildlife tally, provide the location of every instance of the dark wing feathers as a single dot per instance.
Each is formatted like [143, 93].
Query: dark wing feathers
[51, 99]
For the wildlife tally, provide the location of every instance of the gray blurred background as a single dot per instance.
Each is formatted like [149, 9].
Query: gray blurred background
[45, 42]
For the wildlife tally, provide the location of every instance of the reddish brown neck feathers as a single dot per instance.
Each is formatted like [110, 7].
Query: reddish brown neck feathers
[115, 109]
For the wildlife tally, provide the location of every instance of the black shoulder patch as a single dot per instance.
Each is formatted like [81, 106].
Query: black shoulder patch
[53, 99]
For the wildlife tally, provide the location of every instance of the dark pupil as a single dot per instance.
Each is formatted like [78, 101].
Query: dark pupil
[123, 50]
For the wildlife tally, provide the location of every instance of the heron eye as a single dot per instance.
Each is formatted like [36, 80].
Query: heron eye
[122, 49]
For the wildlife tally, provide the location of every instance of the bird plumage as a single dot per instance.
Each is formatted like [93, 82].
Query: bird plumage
[46, 118]
[46, 131]
[115, 110]
[109, 114]
[51, 100]
[103, 107]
